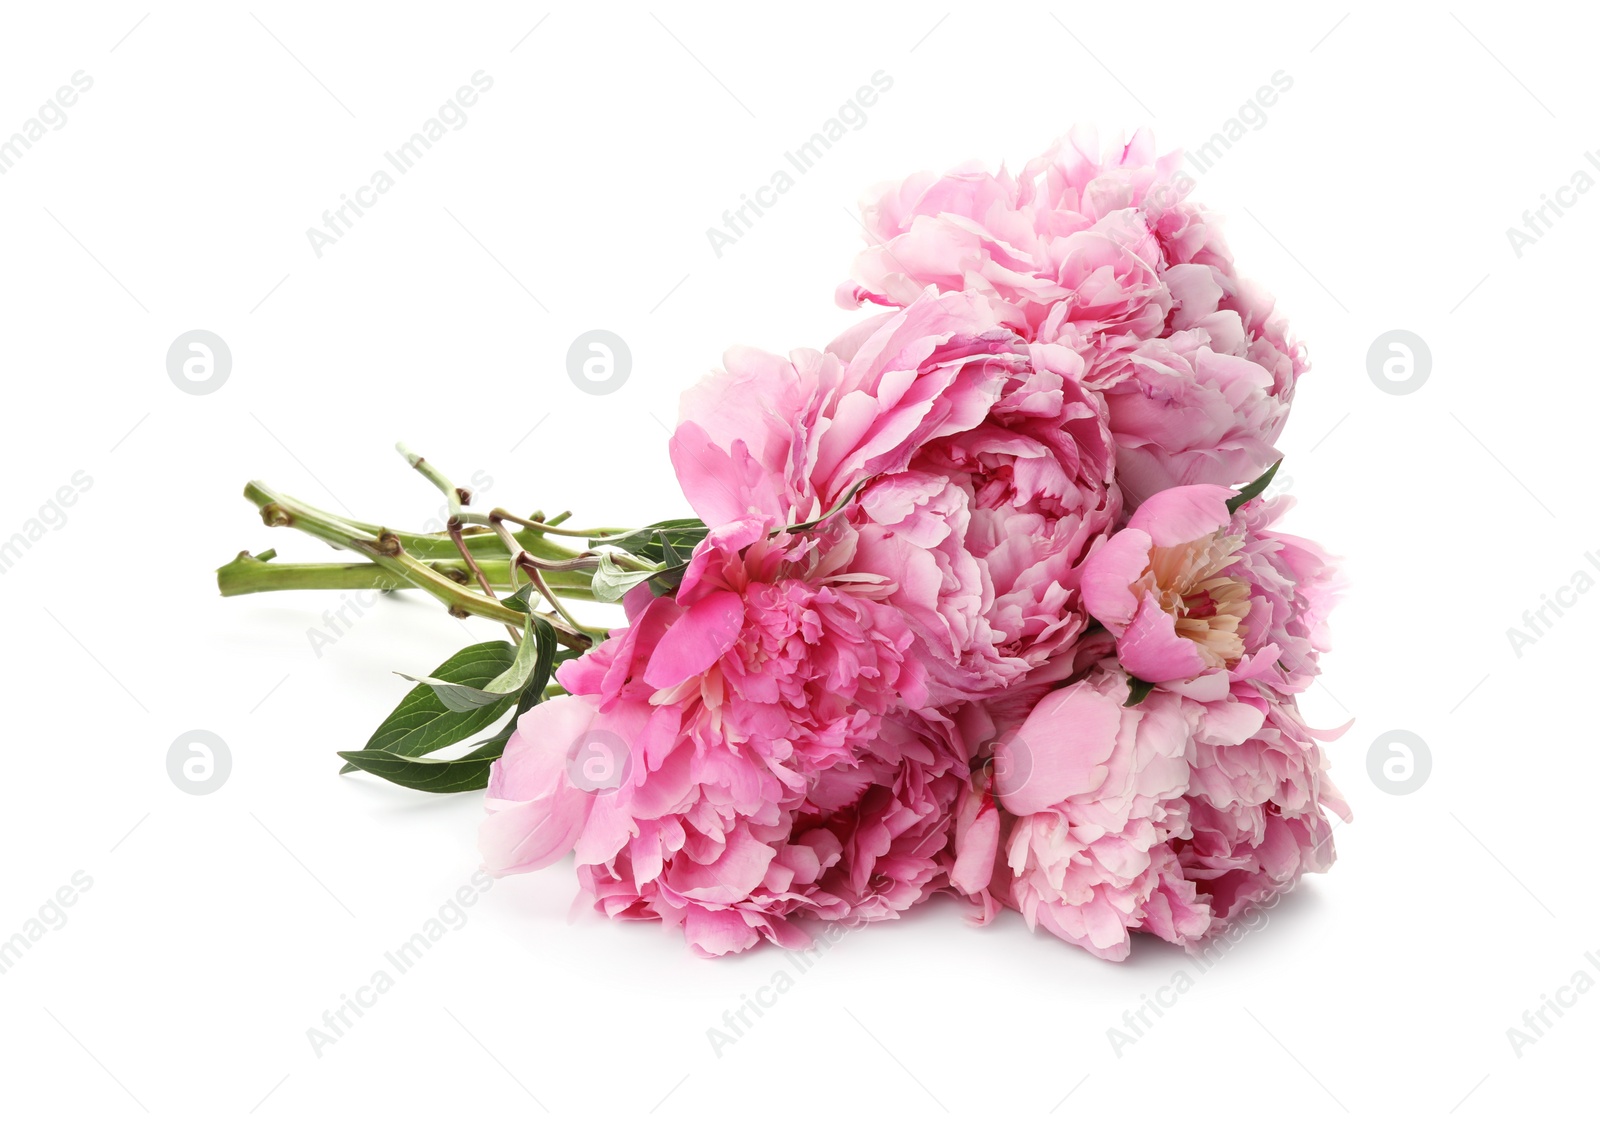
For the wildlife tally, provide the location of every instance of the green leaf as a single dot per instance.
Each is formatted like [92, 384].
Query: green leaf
[612, 579]
[459, 696]
[1254, 489]
[683, 534]
[665, 581]
[532, 695]
[456, 696]
[471, 770]
[524, 600]
[436, 776]
[544, 665]
[669, 554]
[1137, 691]
[421, 723]
[537, 649]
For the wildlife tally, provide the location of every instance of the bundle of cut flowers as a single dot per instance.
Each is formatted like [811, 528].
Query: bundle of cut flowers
[984, 598]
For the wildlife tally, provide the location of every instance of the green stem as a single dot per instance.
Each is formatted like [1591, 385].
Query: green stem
[483, 545]
[387, 550]
[548, 528]
[250, 575]
[427, 469]
[438, 545]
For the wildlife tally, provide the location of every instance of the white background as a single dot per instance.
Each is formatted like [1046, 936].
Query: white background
[219, 928]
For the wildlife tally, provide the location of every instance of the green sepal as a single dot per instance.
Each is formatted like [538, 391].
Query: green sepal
[1253, 490]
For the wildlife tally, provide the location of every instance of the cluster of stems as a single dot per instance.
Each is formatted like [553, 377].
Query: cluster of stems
[468, 567]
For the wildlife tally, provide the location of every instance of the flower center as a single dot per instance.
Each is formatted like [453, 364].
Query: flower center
[1208, 608]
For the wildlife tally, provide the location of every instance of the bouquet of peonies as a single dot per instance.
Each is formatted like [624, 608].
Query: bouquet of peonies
[984, 598]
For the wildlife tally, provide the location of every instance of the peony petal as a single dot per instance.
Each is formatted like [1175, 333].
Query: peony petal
[1184, 513]
[1061, 750]
[1151, 649]
[693, 643]
[977, 843]
[1108, 577]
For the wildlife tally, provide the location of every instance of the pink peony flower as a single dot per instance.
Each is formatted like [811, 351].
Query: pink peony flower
[731, 758]
[1102, 819]
[1106, 256]
[1230, 614]
[884, 672]
[1187, 587]
[1186, 410]
[976, 467]
[864, 846]
[1083, 812]
[1256, 814]
[1074, 238]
